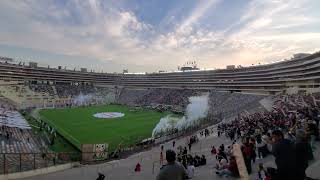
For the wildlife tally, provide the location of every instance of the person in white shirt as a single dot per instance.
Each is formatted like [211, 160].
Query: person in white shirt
[190, 170]
[260, 146]
[222, 164]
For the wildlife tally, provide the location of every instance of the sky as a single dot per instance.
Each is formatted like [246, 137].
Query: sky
[153, 35]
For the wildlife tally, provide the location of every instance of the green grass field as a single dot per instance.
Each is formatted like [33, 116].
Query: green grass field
[79, 126]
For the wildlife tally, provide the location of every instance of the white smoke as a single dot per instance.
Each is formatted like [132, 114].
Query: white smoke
[86, 99]
[196, 110]
[83, 99]
[165, 124]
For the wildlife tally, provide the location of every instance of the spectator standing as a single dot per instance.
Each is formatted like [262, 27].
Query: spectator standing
[173, 170]
[101, 176]
[247, 155]
[137, 168]
[161, 158]
[213, 150]
[260, 146]
[303, 153]
[191, 170]
[312, 132]
[285, 157]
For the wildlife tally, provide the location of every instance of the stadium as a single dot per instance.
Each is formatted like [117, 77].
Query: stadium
[54, 116]
[165, 90]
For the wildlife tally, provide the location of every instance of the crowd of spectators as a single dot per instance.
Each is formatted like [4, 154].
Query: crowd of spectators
[288, 132]
[186, 163]
[172, 170]
[42, 88]
[174, 97]
[5, 105]
[183, 160]
[130, 96]
[221, 104]
[67, 90]
[15, 132]
[224, 105]
[174, 100]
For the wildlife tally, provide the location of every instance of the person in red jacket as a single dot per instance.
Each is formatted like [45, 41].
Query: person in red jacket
[213, 150]
[161, 158]
[138, 168]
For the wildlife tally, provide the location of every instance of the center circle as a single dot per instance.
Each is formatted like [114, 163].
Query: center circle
[108, 115]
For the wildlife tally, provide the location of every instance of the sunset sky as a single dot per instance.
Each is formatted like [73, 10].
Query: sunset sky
[152, 35]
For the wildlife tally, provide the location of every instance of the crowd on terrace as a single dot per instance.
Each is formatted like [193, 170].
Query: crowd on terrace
[288, 132]
[42, 88]
[63, 90]
[221, 104]
[224, 105]
[67, 90]
[181, 164]
[177, 98]
[292, 126]
[174, 97]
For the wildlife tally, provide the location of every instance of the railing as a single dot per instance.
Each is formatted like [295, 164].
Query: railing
[18, 162]
[169, 136]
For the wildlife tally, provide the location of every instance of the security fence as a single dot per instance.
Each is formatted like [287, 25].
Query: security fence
[18, 162]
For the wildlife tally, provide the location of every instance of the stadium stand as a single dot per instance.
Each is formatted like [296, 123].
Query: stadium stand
[226, 105]
[253, 126]
[42, 88]
[174, 97]
[248, 106]
[16, 137]
[10, 118]
[130, 96]
[294, 74]
[67, 90]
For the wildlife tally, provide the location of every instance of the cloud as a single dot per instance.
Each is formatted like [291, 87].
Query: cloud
[196, 14]
[261, 34]
[265, 30]
[99, 33]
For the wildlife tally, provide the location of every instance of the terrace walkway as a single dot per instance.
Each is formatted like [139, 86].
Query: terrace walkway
[124, 169]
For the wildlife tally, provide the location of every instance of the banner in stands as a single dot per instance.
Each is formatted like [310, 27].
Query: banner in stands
[100, 151]
[93, 152]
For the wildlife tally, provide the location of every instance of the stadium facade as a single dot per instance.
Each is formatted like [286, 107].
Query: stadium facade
[230, 93]
[298, 74]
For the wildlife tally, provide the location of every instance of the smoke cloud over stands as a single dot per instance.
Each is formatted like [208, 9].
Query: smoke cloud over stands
[196, 110]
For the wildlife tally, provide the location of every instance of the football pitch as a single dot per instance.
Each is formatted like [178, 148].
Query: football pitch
[79, 126]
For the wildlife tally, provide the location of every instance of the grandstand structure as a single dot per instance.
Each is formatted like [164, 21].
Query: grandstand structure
[232, 91]
[300, 73]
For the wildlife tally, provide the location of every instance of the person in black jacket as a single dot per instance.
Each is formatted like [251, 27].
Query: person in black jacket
[303, 153]
[101, 176]
[285, 156]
